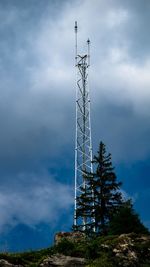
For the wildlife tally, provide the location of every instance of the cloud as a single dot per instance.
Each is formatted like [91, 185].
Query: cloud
[38, 89]
[33, 200]
[37, 93]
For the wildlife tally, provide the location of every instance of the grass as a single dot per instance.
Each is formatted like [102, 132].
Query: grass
[98, 252]
[30, 258]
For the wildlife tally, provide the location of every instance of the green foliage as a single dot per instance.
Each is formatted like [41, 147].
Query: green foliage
[65, 247]
[107, 198]
[29, 259]
[143, 253]
[99, 251]
[104, 255]
[103, 261]
[100, 197]
[101, 203]
[125, 220]
[147, 264]
[75, 249]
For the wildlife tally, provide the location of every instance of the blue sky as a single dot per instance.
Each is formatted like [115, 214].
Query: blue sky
[37, 108]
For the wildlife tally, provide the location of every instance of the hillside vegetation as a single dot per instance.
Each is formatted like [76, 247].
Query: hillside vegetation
[111, 251]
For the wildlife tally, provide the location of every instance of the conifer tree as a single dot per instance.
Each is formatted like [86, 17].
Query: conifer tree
[126, 220]
[107, 197]
[101, 197]
[85, 207]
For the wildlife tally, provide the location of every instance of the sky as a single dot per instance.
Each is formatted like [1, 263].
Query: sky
[37, 109]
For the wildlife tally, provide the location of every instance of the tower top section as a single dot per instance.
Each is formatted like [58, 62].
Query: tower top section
[78, 56]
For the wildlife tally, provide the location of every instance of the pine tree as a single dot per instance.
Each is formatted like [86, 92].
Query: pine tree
[126, 220]
[85, 207]
[101, 196]
[107, 197]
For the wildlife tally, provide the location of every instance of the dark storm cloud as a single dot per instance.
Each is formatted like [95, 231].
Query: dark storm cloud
[125, 132]
[137, 31]
[31, 114]
[32, 120]
[37, 91]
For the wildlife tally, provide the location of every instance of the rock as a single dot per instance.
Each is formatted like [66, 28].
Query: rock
[70, 236]
[59, 260]
[126, 249]
[4, 263]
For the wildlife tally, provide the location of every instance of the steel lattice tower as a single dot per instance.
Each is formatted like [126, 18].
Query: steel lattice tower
[83, 146]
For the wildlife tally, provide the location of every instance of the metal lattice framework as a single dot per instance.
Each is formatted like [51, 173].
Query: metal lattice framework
[83, 148]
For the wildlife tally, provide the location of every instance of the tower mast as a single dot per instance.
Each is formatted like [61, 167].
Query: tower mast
[83, 142]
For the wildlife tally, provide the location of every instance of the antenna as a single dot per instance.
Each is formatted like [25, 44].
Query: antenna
[88, 45]
[76, 40]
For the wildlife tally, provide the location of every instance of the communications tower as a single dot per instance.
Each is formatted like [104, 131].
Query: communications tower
[83, 146]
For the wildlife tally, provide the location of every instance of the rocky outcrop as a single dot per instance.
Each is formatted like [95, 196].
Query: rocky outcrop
[131, 249]
[126, 250]
[59, 260]
[4, 263]
[70, 236]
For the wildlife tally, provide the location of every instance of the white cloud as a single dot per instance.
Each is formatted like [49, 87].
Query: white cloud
[41, 199]
[124, 81]
[113, 69]
[38, 88]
